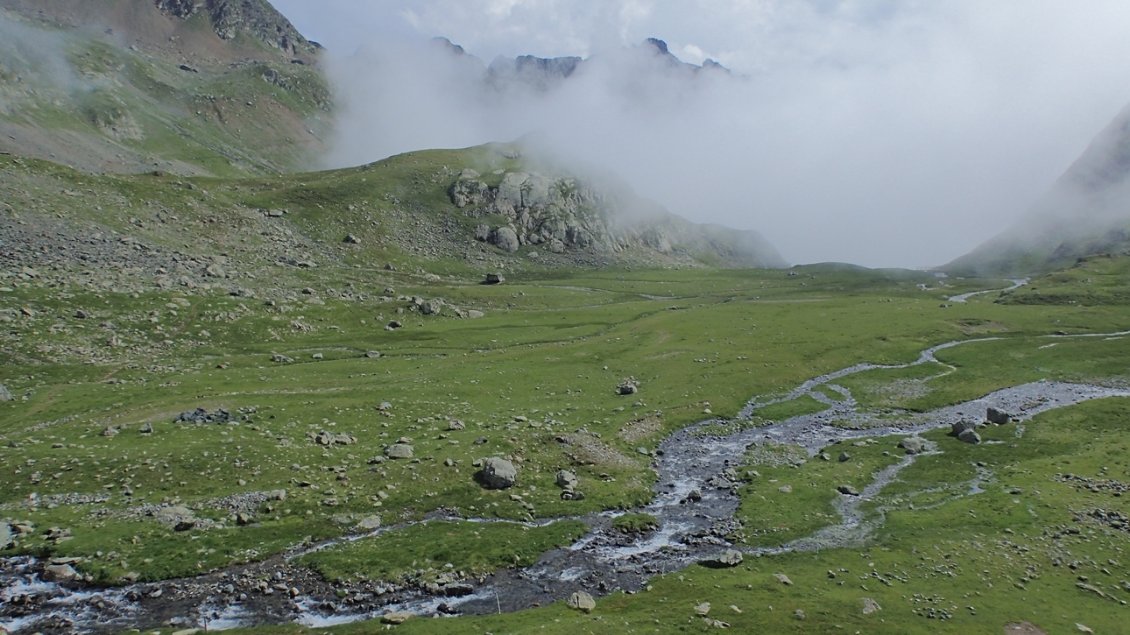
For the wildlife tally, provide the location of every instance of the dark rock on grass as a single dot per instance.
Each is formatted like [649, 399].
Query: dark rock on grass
[393, 325]
[969, 435]
[497, 473]
[350, 239]
[957, 427]
[493, 278]
[629, 386]
[847, 490]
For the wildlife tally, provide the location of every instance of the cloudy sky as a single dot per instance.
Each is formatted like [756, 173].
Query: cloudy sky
[880, 132]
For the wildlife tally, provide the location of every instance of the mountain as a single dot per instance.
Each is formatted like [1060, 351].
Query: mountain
[221, 87]
[544, 73]
[1086, 212]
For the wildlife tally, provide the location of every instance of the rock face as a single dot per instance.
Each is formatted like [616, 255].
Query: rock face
[564, 215]
[498, 473]
[256, 18]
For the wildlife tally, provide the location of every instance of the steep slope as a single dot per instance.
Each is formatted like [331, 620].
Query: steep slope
[217, 87]
[1086, 212]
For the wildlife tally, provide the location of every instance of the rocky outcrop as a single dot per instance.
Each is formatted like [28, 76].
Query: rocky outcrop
[255, 18]
[563, 214]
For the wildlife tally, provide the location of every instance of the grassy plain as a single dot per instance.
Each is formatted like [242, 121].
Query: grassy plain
[535, 380]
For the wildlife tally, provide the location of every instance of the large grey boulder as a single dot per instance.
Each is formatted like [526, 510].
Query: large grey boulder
[913, 445]
[399, 451]
[504, 238]
[581, 601]
[498, 473]
[567, 480]
[5, 394]
[970, 436]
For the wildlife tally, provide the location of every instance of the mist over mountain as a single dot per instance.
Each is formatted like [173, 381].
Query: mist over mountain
[1085, 212]
[902, 136]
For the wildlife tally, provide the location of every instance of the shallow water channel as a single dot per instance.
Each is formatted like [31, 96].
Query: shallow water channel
[695, 502]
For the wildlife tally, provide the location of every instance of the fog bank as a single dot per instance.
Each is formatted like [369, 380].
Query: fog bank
[883, 134]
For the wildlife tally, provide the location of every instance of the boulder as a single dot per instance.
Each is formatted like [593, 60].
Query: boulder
[7, 537]
[847, 490]
[567, 480]
[969, 435]
[350, 239]
[395, 617]
[870, 606]
[399, 451]
[999, 417]
[5, 394]
[729, 558]
[628, 387]
[369, 523]
[581, 601]
[505, 238]
[59, 573]
[783, 579]
[498, 473]
[957, 427]
[913, 445]
[493, 278]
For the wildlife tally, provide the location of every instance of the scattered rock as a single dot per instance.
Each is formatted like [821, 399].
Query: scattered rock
[373, 354]
[326, 438]
[728, 558]
[567, 480]
[957, 427]
[970, 436]
[146, 428]
[628, 387]
[702, 610]
[395, 617]
[913, 445]
[1023, 628]
[870, 606]
[581, 601]
[279, 358]
[1083, 628]
[498, 473]
[369, 523]
[200, 415]
[783, 579]
[399, 451]
[999, 417]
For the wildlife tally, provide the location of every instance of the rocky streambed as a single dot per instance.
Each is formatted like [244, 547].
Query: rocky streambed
[695, 503]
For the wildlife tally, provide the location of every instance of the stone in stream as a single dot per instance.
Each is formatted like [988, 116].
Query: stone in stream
[59, 573]
[969, 435]
[913, 445]
[581, 601]
[999, 417]
[497, 473]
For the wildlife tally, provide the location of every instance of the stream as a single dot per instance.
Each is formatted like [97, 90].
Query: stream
[695, 503]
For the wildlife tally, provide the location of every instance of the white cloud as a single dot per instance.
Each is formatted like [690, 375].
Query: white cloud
[880, 132]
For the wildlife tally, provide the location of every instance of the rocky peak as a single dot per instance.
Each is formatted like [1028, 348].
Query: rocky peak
[255, 18]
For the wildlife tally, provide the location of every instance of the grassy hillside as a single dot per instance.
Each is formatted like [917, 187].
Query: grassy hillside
[150, 91]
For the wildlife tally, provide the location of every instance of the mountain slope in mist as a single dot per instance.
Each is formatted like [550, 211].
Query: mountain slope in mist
[215, 87]
[1086, 212]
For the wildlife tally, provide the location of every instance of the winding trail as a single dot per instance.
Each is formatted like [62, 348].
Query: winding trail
[696, 498]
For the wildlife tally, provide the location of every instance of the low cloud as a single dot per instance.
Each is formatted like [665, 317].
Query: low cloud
[885, 134]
